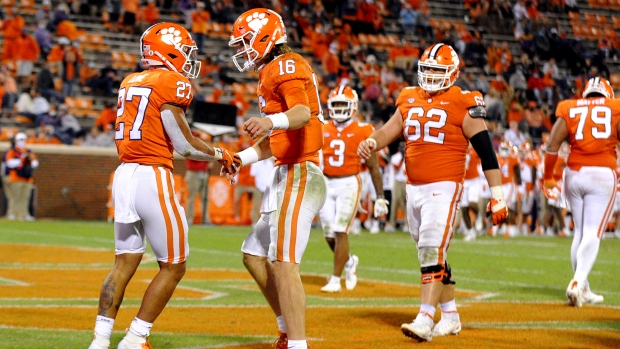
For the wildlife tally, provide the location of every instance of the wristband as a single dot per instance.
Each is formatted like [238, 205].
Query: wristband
[279, 120]
[373, 142]
[497, 192]
[248, 156]
[217, 153]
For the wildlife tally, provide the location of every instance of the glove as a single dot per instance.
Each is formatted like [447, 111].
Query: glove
[497, 208]
[381, 207]
[231, 163]
[551, 189]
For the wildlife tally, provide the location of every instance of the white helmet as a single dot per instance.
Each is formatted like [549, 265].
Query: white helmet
[342, 103]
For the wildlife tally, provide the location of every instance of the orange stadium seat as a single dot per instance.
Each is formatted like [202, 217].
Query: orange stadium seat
[601, 20]
[573, 17]
[94, 42]
[8, 3]
[615, 20]
[590, 18]
[81, 106]
[615, 81]
[615, 4]
[363, 38]
[27, 6]
[580, 30]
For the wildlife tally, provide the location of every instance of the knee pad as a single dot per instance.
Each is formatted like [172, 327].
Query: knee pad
[447, 275]
[433, 273]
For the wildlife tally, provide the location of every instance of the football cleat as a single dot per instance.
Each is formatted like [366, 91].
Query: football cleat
[332, 287]
[99, 343]
[282, 341]
[574, 294]
[351, 279]
[590, 297]
[421, 329]
[446, 327]
[143, 343]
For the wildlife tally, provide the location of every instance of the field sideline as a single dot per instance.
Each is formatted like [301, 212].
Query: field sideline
[510, 292]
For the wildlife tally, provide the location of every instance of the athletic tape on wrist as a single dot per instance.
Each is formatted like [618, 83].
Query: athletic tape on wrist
[248, 156]
[279, 120]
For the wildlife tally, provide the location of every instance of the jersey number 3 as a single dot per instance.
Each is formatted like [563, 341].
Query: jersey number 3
[127, 95]
[417, 120]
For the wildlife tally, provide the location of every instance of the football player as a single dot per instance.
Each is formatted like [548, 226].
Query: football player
[511, 179]
[439, 120]
[290, 129]
[591, 125]
[342, 166]
[471, 193]
[150, 124]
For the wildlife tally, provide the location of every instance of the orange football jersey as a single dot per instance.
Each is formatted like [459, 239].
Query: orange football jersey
[340, 149]
[472, 160]
[140, 135]
[592, 130]
[436, 146]
[507, 168]
[291, 146]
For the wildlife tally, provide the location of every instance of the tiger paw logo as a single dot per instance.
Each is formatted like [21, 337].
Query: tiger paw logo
[171, 36]
[256, 21]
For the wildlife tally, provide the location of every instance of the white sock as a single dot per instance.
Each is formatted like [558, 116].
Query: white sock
[334, 279]
[448, 307]
[281, 323]
[302, 344]
[429, 309]
[140, 328]
[103, 327]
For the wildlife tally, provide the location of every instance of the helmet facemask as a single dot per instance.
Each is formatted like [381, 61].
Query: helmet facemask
[191, 67]
[245, 58]
[504, 151]
[341, 109]
[434, 77]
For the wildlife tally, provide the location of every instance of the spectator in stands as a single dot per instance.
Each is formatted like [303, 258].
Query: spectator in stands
[465, 81]
[571, 6]
[44, 39]
[200, 18]
[408, 19]
[112, 15]
[27, 54]
[45, 13]
[11, 92]
[533, 116]
[32, 106]
[535, 84]
[21, 163]
[222, 11]
[86, 73]
[51, 119]
[61, 14]
[423, 23]
[107, 118]
[148, 15]
[130, 8]
[505, 11]
[482, 84]
[98, 138]
[70, 127]
[331, 63]
[475, 51]
[494, 106]
[515, 113]
[518, 81]
[107, 81]
[71, 60]
[57, 54]
[12, 26]
[186, 7]
[514, 135]
[520, 11]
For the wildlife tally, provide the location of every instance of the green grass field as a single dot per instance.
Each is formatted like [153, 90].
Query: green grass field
[519, 270]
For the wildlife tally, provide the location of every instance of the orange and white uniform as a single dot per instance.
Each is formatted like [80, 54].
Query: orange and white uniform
[507, 168]
[435, 155]
[471, 183]
[298, 188]
[528, 165]
[143, 188]
[342, 167]
[590, 177]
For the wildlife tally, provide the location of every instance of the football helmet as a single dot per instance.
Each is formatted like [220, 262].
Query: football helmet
[342, 103]
[255, 33]
[598, 85]
[438, 68]
[170, 45]
[505, 149]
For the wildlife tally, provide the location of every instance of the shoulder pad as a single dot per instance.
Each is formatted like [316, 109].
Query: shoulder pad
[478, 112]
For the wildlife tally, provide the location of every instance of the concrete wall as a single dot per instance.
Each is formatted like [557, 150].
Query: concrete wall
[72, 182]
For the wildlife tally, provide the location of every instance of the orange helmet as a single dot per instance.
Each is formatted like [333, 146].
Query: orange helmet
[438, 68]
[505, 149]
[256, 32]
[342, 103]
[170, 45]
[598, 85]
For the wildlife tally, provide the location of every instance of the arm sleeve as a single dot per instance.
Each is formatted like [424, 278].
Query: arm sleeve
[294, 93]
[481, 142]
[179, 142]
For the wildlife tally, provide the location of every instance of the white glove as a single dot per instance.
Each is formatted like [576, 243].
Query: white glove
[381, 207]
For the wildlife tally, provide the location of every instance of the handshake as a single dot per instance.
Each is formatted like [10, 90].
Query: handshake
[231, 163]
